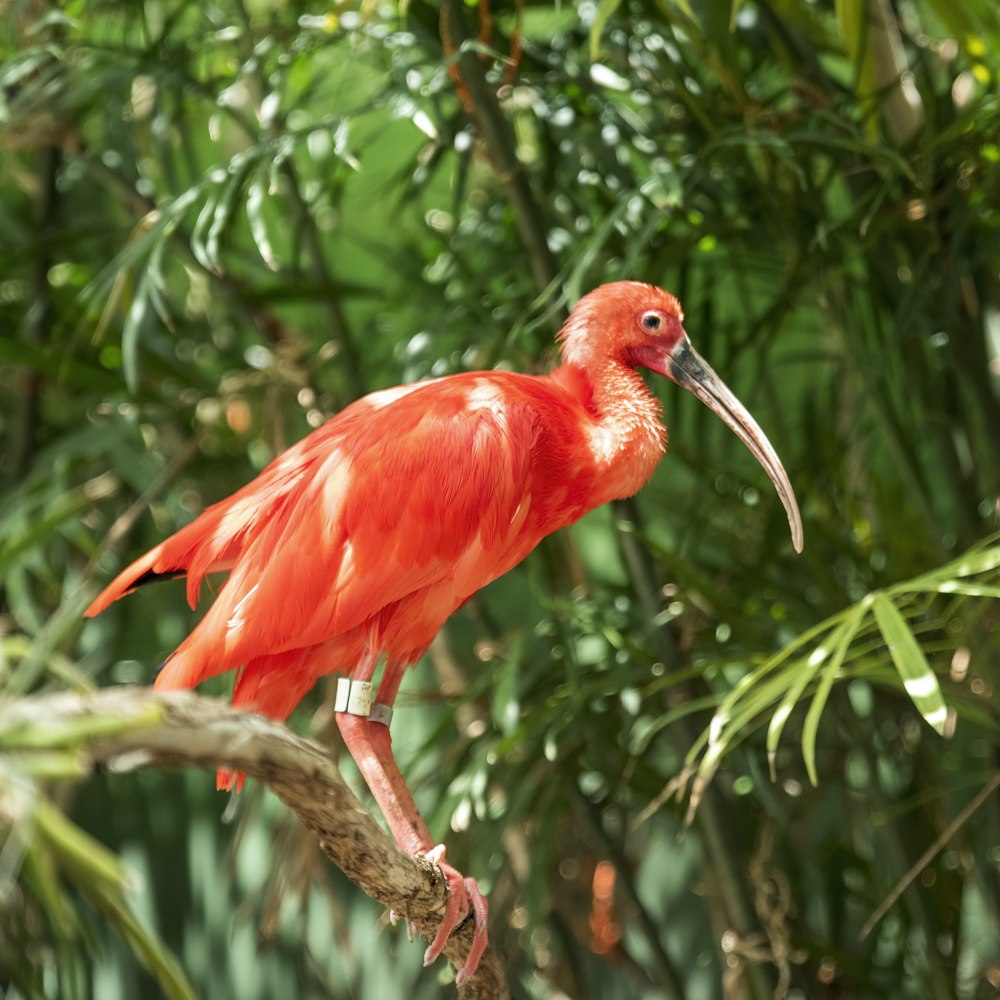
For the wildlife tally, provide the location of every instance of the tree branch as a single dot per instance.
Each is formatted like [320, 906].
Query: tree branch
[126, 728]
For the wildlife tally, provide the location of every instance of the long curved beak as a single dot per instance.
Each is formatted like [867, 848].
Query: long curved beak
[688, 369]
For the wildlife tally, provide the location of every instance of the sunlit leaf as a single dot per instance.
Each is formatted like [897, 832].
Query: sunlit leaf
[839, 642]
[604, 11]
[200, 231]
[806, 671]
[919, 680]
[224, 209]
[138, 322]
[256, 198]
[982, 560]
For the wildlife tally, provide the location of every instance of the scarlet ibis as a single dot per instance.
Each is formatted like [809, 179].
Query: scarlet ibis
[355, 545]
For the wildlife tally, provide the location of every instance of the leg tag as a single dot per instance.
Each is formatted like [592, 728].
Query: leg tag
[359, 701]
[381, 713]
[353, 697]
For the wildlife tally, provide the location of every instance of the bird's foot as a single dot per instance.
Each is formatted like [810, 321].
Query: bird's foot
[463, 896]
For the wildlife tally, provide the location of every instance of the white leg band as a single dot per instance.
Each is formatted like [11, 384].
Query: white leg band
[381, 713]
[353, 697]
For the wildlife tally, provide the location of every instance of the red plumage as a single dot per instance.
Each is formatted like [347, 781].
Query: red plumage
[374, 528]
[357, 543]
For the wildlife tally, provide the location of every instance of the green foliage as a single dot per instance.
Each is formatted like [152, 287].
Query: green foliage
[849, 645]
[221, 222]
[47, 851]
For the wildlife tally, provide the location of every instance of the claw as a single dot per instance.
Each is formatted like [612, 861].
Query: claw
[463, 896]
[480, 911]
[394, 919]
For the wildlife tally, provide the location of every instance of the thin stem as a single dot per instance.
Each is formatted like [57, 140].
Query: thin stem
[339, 326]
[498, 138]
[39, 317]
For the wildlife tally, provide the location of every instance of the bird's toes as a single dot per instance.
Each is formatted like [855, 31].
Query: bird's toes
[455, 911]
[480, 912]
[463, 896]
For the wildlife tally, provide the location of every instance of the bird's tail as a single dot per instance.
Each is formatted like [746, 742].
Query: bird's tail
[194, 551]
[147, 569]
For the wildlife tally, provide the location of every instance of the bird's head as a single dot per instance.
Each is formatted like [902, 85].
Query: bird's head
[626, 321]
[641, 326]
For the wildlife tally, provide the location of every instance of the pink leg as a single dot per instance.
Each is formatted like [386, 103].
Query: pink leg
[370, 745]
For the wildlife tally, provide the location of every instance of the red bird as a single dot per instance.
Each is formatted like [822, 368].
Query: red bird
[355, 545]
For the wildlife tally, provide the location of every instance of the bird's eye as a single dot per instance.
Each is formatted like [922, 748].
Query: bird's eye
[651, 321]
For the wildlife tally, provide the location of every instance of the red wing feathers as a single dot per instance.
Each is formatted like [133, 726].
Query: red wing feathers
[421, 495]
[214, 540]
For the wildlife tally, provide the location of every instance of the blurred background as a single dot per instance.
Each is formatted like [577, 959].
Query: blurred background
[222, 221]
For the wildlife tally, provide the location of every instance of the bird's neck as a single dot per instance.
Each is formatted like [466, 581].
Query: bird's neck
[625, 430]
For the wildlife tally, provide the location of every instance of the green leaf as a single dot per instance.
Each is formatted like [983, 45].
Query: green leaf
[137, 324]
[776, 727]
[840, 641]
[506, 706]
[201, 226]
[919, 680]
[225, 208]
[256, 198]
[968, 589]
[853, 21]
[17, 734]
[102, 876]
[981, 560]
[604, 11]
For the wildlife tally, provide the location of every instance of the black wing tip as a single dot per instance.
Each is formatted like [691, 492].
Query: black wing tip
[151, 576]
